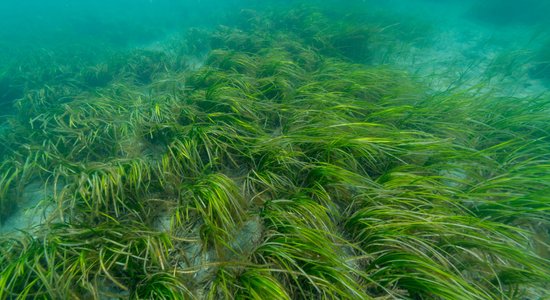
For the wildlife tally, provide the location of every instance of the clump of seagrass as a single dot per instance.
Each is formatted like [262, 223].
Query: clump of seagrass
[351, 180]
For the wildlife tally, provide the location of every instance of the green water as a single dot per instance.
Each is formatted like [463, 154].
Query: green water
[274, 150]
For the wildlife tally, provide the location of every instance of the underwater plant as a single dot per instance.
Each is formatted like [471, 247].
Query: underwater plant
[285, 167]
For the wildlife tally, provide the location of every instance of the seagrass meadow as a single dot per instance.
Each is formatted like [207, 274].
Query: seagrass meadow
[288, 152]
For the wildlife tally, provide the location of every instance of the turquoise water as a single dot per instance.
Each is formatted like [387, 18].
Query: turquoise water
[163, 149]
[465, 32]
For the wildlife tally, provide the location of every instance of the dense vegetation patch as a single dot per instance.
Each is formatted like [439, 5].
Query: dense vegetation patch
[285, 167]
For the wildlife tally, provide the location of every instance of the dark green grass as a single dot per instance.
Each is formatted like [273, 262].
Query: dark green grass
[286, 167]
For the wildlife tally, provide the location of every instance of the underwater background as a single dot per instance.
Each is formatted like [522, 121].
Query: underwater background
[239, 149]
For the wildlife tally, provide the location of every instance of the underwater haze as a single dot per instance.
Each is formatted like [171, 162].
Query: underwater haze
[239, 149]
